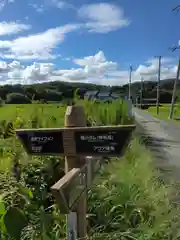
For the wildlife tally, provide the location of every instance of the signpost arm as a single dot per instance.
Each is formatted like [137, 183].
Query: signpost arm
[75, 117]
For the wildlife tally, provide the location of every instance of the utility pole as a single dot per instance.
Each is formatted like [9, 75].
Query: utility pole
[141, 96]
[174, 48]
[130, 76]
[174, 91]
[158, 83]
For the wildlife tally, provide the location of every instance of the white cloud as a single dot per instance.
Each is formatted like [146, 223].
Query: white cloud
[73, 74]
[30, 57]
[37, 46]
[3, 3]
[4, 68]
[37, 72]
[96, 65]
[168, 69]
[58, 4]
[9, 28]
[103, 17]
[92, 69]
[91, 60]
[61, 4]
[38, 8]
[164, 60]
[67, 58]
[147, 70]
[97, 69]
[15, 64]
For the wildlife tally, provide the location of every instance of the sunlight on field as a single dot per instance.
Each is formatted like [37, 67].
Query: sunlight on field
[119, 202]
[164, 112]
[26, 112]
[50, 116]
[26, 116]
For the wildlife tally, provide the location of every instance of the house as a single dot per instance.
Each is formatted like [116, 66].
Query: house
[101, 96]
[89, 94]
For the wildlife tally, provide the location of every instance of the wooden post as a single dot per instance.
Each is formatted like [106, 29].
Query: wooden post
[76, 141]
[75, 117]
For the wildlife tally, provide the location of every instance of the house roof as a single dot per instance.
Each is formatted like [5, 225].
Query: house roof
[102, 94]
[89, 93]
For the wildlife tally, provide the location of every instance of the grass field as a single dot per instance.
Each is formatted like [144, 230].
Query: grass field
[126, 200]
[27, 112]
[164, 112]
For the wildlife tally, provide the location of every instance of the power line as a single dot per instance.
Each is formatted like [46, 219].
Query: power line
[177, 8]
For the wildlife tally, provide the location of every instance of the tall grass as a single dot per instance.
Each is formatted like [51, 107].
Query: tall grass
[106, 113]
[129, 202]
[126, 200]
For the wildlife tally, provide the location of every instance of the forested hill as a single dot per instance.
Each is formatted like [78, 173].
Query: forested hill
[57, 91]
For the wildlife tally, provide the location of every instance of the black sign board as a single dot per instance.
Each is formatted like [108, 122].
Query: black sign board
[43, 142]
[102, 142]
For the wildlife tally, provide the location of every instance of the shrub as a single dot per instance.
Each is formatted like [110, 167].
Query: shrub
[129, 202]
[1, 102]
[17, 98]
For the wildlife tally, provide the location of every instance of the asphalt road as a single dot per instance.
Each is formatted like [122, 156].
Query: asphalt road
[162, 138]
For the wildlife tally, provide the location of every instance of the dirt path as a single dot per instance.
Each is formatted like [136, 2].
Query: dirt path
[163, 139]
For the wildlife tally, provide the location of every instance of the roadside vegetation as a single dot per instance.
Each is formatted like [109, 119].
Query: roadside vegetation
[164, 112]
[64, 91]
[126, 201]
[136, 204]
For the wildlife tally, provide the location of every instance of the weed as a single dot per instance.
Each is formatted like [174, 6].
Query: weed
[126, 200]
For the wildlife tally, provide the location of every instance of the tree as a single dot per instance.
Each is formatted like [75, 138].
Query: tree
[17, 98]
[1, 102]
[51, 95]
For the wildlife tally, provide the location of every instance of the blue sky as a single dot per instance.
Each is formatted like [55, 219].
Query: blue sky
[87, 41]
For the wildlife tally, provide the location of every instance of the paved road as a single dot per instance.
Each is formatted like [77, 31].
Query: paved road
[163, 139]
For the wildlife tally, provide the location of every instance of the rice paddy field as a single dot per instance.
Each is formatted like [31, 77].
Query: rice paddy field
[126, 201]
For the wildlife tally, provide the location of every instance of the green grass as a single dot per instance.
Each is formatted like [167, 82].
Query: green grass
[26, 112]
[51, 116]
[126, 200]
[135, 204]
[27, 116]
[164, 112]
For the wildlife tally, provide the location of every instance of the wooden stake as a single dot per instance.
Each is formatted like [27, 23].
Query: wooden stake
[75, 117]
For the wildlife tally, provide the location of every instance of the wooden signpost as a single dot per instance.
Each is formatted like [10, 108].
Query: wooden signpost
[76, 141]
[93, 166]
[68, 189]
[82, 141]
